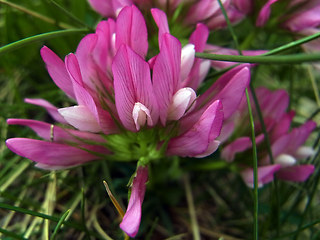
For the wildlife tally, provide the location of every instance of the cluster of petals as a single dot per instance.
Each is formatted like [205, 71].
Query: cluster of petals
[286, 145]
[204, 11]
[110, 80]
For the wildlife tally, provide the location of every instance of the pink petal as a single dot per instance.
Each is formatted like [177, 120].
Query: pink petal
[84, 97]
[56, 133]
[244, 6]
[265, 175]
[282, 127]
[131, 220]
[264, 13]
[132, 30]
[132, 84]
[307, 18]
[52, 110]
[213, 146]
[241, 144]
[162, 22]
[229, 88]
[198, 138]
[49, 153]
[110, 8]
[296, 173]
[166, 73]
[199, 37]
[204, 9]
[81, 118]
[57, 71]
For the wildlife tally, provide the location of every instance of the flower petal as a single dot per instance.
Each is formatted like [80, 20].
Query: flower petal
[264, 13]
[132, 84]
[49, 153]
[56, 133]
[162, 22]
[57, 71]
[265, 175]
[131, 220]
[239, 145]
[198, 138]
[52, 110]
[81, 118]
[296, 173]
[166, 74]
[132, 30]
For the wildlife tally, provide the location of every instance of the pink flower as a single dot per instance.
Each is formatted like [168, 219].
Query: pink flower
[205, 11]
[287, 146]
[110, 81]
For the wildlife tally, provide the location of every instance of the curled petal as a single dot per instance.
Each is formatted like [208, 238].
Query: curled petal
[265, 175]
[296, 173]
[141, 115]
[81, 118]
[49, 153]
[198, 138]
[304, 152]
[131, 220]
[187, 60]
[285, 160]
[182, 101]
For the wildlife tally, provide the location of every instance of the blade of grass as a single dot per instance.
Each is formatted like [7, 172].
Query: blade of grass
[59, 225]
[44, 216]
[83, 215]
[36, 15]
[11, 234]
[40, 37]
[69, 14]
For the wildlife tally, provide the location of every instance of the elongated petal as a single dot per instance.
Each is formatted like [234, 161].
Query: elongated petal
[166, 73]
[162, 22]
[131, 220]
[265, 175]
[239, 145]
[52, 110]
[197, 139]
[57, 71]
[304, 19]
[282, 127]
[296, 173]
[229, 88]
[264, 13]
[49, 153]
[132, 30]
[55, 133]
[132, 84]
[81, 118]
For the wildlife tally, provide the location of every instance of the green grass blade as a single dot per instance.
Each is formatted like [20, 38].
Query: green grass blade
[59, 225]
[41, 37]
[11, 234]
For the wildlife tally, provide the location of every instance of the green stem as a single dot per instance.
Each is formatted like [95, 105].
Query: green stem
[192, 211]
[38, 38]
[255, 170]
[284, 59]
